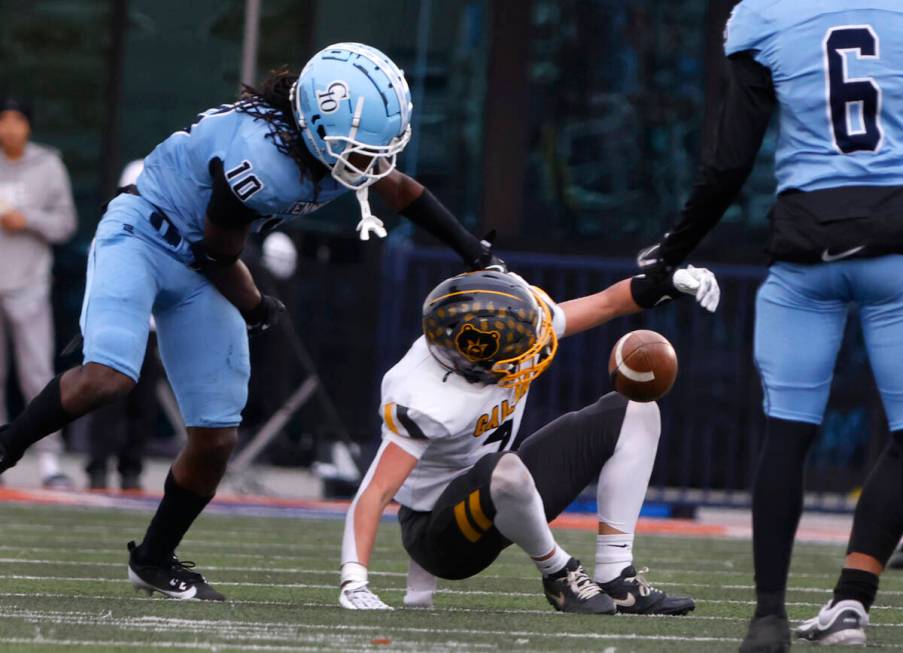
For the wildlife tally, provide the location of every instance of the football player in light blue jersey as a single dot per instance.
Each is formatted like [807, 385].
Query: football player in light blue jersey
[833, 72]
[170, 247]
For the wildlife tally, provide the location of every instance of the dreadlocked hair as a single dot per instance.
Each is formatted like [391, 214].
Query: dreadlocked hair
[272, 104]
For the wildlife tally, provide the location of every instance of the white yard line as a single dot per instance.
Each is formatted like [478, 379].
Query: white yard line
[101, 644]
[331, 586]
[193, 541]
[266, 629]
[315, 604]
[396, 574]
[239, 629]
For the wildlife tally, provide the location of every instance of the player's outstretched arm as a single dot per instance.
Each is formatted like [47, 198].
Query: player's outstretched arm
[740, 126]
[415, 202]
[386, 475]
[585, 313]
[633, 295]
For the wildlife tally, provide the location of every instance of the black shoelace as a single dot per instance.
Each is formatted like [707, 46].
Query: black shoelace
[181, 569]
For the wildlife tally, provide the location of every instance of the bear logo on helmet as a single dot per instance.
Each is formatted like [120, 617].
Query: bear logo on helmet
[329, 99]
[477, 345]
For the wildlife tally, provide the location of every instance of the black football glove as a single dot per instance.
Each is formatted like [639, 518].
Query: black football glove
[263, 316]
[650, 260]
[486, 259]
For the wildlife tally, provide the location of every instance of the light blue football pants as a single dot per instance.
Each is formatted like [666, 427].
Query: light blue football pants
[133, 272]
[801, 312]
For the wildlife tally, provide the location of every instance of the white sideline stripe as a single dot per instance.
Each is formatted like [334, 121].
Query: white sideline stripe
[96, 644]
[87, 529]
[398, 574]
[219, 626]
[319, 604]
[188, 542]
[194, 540]
[323, 586]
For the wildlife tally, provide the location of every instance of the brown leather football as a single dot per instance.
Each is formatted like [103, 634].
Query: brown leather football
[643, 366]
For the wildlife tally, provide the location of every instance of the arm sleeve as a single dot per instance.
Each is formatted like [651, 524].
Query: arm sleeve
[354, 570]
[225, 208]
[741, 125]
[429, 214]
[55, 219]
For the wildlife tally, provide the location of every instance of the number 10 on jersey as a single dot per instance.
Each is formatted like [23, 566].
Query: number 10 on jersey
[854, 104]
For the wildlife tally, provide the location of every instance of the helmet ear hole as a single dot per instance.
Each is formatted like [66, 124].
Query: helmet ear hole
[321, 131]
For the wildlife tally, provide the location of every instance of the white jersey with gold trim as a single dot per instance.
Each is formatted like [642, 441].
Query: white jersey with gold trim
[445, 421]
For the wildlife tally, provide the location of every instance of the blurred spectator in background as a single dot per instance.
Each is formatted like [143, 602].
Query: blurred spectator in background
[122, 428]
[36, 211]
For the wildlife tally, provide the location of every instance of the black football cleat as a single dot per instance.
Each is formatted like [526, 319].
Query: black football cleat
[768, 634]
[840, 624]
[632, 594]
[173, 579]
[572, 590]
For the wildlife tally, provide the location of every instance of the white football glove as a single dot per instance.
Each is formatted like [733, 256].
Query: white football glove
[357, 596]
[700, 283]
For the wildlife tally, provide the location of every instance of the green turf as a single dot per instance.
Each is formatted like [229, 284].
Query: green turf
[63, 587]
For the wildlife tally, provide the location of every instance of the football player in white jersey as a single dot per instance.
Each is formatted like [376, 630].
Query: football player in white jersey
[451, 455]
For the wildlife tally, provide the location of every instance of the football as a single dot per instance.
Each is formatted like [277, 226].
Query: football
[643, 366]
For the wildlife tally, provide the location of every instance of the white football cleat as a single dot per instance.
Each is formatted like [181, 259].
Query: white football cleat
[841, 624]
[357, 596]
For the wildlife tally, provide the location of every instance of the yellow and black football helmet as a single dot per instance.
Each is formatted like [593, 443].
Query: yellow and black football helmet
[490, 327]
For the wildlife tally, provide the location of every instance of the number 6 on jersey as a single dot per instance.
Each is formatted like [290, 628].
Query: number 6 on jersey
[854, 104]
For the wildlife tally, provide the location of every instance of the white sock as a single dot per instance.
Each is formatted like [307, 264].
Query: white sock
[420, 587]
[520, 515]
[48, 463]
[553, 562]
[613, 553]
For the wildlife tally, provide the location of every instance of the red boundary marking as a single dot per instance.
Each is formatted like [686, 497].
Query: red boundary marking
[567, 521]
[585, 522]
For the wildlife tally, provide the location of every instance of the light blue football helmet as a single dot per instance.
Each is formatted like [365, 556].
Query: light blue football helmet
[352, 99]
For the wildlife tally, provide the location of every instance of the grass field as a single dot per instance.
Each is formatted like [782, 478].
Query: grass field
[63, 587]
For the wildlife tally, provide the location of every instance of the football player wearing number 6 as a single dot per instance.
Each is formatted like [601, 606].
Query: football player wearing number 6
[833, 71]
[170, 247]
[451, 454]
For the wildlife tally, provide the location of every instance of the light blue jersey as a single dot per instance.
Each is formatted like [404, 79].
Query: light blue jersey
[837, 67]
[177, 180]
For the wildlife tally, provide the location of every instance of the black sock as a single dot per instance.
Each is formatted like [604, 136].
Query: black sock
[777, 505]
[770, 603]
[177, 511]
[856, 585]
[43, 416]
